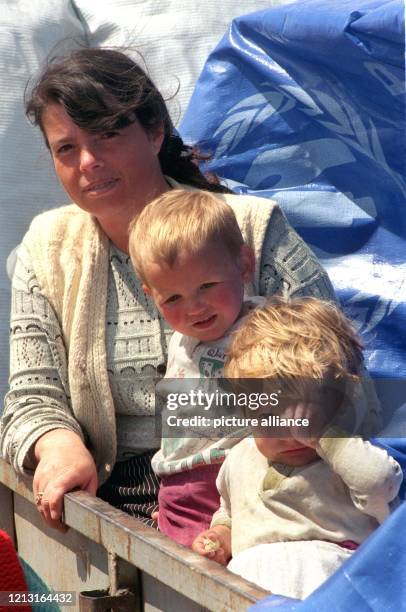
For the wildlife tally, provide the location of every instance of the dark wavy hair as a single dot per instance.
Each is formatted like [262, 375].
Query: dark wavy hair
[103, 90]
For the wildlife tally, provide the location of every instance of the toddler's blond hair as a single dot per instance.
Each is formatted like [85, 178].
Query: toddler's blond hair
[181, 222]
[299, 341]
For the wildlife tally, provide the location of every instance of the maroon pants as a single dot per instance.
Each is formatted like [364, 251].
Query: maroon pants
[187, 501]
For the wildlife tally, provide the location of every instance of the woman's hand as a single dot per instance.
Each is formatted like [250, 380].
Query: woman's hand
[214, 543]
[64, 464]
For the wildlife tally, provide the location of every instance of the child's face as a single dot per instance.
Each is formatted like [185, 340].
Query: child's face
[201, 295]
[290, 445]
[287, 451]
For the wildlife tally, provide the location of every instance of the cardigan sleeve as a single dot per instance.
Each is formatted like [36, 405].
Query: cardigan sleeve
[288, 266]
[38, 400]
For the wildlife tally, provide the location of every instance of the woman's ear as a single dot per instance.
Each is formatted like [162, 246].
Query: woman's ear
[146, 289]
[156, 137]
[247, 263]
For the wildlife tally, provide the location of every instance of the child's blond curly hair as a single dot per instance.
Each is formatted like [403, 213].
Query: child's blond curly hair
[181, 222]
[297, 341]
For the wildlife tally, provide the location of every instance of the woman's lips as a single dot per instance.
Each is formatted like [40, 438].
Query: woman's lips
[99, 187]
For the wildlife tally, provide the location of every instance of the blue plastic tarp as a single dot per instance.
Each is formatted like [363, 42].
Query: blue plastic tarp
[305, 103]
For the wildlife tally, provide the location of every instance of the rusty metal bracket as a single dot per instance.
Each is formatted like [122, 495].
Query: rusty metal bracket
[101, 601]
[115, 598]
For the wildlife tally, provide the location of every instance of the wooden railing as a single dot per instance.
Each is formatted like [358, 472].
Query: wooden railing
[105, 548]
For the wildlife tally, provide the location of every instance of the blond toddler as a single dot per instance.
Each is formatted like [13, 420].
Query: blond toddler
[190, 254]
[296, 503]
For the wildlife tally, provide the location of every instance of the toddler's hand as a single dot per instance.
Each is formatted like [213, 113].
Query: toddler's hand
[309, 436]
[214, 544]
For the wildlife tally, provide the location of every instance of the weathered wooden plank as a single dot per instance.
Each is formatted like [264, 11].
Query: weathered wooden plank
[160, 598]
[65, 562]
[9, 478]
[174, 577]
[204, 582]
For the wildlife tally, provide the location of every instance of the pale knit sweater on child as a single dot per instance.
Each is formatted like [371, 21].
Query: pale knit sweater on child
[343, 496]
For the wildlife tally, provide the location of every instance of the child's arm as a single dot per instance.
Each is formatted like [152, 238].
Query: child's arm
[372, 476]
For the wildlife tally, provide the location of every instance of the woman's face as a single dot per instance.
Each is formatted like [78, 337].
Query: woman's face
[106, 173]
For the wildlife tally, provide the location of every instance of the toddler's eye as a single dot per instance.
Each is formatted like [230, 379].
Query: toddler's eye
[207, 285]
[172, 299]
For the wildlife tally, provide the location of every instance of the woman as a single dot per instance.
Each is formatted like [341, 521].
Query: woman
[86, 344]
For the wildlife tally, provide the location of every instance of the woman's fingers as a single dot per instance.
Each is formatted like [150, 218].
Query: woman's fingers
[50, 502]
[45, 511]
[56, 475]
[76, 478]
[43, 507]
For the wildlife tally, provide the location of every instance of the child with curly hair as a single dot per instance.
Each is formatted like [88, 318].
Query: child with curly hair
[296, 503]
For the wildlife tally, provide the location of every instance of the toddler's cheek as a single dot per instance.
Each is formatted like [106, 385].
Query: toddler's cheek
[266, 446]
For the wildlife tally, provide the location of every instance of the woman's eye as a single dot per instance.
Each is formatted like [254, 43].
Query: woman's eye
[109, 135]
[64, 149]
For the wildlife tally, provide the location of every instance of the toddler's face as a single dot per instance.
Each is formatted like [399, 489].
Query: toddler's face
[289, 444]
[201, 295]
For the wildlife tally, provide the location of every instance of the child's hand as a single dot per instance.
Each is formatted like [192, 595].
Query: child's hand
[214, 544]
[308, 436]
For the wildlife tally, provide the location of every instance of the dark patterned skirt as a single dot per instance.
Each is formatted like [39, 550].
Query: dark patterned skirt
[133, 487]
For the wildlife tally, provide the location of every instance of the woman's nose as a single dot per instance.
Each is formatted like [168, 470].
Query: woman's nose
[89, 159]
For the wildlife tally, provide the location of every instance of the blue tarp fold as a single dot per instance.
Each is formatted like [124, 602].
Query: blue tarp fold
[305, 103]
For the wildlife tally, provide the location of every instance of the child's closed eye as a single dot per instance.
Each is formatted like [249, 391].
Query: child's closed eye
[208, 285]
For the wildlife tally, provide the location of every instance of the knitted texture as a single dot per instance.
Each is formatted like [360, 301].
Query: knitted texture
[37, 586]
[118, 346]
[71, 263]
[11, 573]
[342, 497]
